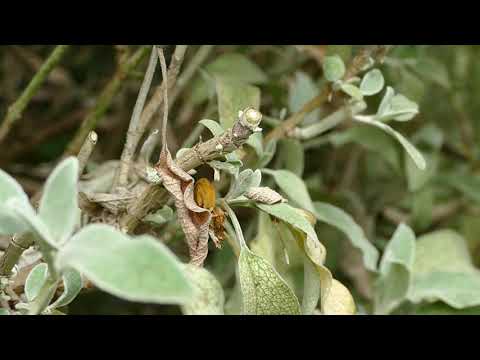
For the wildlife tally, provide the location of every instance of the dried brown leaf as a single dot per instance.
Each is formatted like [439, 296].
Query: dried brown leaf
[194, 219]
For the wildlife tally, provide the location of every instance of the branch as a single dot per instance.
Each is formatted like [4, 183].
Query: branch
[121, 178]
[138, 126]
[197, 60]
[155, 196]
[15, 110]
[104, 100]
[376, 52]
[86, 151]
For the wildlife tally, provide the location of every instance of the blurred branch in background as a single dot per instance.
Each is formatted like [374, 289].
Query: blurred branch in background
[92, 119]
[15, 110]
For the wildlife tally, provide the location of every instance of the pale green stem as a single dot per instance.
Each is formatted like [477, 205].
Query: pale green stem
[235, 223]
[329, 122]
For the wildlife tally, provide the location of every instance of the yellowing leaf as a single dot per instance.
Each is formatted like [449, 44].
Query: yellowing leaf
[340, 301]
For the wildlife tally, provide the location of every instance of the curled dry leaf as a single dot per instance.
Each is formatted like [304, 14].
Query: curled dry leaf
[194, 219]
[264, 195]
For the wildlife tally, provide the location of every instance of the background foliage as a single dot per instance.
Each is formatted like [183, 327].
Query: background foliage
[401, 239]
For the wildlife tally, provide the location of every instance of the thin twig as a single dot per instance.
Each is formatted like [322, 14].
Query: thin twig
[157, 99]
[163, 66]
[190, 70]
[155, 196]
[131, 142]
[15, 110]
[105, 100]
[86, 151]
[356, 65]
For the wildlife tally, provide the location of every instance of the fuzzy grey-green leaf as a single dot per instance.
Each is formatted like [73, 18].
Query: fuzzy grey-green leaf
[341, 220]
[72, 283]
[443, 270]
[395, 270]
[208, 298]
[293, 187]
[264, 291]
[333, 68]
[59, 204]
[372, 83]
[137, 269]
[35, 280]
[234, 96]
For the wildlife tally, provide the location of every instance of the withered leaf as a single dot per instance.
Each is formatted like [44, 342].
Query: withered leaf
[194, 219]
[264, 195]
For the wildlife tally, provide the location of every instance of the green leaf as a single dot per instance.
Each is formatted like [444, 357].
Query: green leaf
[417, 178]
[373, 139]
[469, 185]
[268, 153]
[208, 298]
[290, 215]
[214, 127]
[73, 284]
[242, 184]
[256, 142]
[397, 107]
[316, 284]
[443, 270]
[395, 271]
[292, 156]
[352, 91]
[139, 269]
[301, 91]
[160, 217]
[4, 312]
[311, 287]
[333, 68]
[237, 66]
[230, 65]
[440, 308]
[264, 291]
[59, 204]
[385, 103]
[293, 186]
[10, 223]
[434, 71]
[401, 109]
[234, 96]
[35, 280]
[341, 220]
[26, 214]
[229, 167]
[423, 202]
[372, 83]
[10, 188]
[409, 148]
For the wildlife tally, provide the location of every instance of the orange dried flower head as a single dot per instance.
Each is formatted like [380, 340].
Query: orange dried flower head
[204, 192]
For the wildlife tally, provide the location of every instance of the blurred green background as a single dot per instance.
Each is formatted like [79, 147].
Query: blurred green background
[360, 170]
